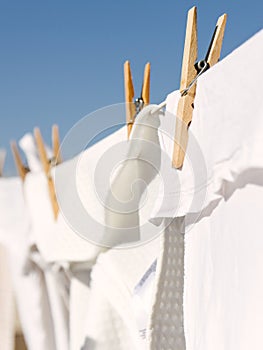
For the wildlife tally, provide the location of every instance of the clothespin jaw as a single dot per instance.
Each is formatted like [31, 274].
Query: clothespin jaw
[216, 46]
[131, 108]
[189, 76]
[21, 169]
[56, 144]
[185, 104]
[146, 84]
[46, 164]
[129, 96]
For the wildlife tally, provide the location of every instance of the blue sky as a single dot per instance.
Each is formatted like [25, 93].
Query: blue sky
[60, 60]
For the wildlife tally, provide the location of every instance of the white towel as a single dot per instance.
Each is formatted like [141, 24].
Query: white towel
[125, 221]
[112, 319]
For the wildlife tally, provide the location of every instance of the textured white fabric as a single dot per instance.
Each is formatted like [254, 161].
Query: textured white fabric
[224, 102]
[223, 267]
[142, 301]
[58, 241]
[83, 184]
[27, 277]
[111, 320]
[166, 328]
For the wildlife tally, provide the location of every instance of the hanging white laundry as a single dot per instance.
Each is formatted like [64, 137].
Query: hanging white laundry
[223, 267]
[219, 92]
[7, 304]
[79, 301]
[57, 283]
[113, 318]
[124, 219]
[58, 241]
[27, 144]
[58, 292]
[28, 279]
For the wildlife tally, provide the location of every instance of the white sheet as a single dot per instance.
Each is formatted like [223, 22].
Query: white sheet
[221, 135]
[224, 285]
[223, 267]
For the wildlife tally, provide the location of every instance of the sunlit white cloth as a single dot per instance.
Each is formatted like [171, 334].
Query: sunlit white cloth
[27, 277]
[217, 198]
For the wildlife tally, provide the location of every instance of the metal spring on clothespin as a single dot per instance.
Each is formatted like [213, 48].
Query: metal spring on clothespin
[201, 67]
[139, 104]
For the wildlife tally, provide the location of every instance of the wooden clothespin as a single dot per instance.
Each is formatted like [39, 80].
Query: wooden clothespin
[191, 70]
[21, 169]
[47, 163]
[133, 107]
[56, 144]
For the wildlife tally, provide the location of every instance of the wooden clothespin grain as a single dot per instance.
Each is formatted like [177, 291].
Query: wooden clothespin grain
[56, 144]
[129, 93]
[185, 104]
[146, 84]
[46, 164]
[21, 169]
[189, 76]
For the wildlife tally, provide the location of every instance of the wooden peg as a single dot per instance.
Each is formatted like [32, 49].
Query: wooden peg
[129, 95]
[56, 144]
[22, 171]
[215, 51]
[146, 84]
[47, 168]
[185, 104]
